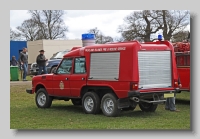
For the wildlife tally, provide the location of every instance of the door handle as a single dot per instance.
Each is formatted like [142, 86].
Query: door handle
[66, 78]
[83, 78]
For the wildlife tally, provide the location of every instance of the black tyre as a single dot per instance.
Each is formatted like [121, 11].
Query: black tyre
[109, 105]
[91, 103]
[52, 69]
[76, 102]
[148, 107]
[42, 99]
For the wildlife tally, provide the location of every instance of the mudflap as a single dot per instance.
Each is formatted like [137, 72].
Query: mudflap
[125, 103]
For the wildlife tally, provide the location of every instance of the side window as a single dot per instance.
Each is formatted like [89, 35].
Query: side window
[65, 66]
[79, 65]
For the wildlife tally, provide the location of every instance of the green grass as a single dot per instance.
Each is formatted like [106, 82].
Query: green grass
[63, 115]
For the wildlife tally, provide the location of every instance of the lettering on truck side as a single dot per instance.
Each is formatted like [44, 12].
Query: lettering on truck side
[104, 49]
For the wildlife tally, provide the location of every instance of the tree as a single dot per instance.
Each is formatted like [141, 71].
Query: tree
[99, 37]
[141, 25]
[14, 35]
[44, 24]
[173, 22]
[119, 39]
[180, 36]
[29, 30]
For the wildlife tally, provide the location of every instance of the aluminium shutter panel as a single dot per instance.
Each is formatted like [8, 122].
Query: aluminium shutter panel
[104, 66]
[154, 69]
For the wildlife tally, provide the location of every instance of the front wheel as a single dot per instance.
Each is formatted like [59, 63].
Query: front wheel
[109, 105]
[42, 99]
[91, 103]
[148, 107]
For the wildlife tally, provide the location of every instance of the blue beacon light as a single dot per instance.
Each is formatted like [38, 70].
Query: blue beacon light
[159, 37]
[88, 36]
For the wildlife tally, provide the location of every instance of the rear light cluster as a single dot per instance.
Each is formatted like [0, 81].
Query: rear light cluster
[176, 84]
[133, 86]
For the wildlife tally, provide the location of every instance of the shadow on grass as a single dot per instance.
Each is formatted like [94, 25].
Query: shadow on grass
[79, 110]
[70, 108]
[138, 114]
[182, 101]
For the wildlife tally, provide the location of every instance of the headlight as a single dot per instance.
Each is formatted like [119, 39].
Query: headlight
[47, 64]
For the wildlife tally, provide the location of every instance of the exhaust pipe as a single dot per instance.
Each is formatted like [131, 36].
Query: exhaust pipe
[135, 99]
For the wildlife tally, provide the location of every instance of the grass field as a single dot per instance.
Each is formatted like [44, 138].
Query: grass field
[63, 115]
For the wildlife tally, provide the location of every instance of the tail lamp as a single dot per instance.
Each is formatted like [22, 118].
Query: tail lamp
[133, 86]
[176, 84]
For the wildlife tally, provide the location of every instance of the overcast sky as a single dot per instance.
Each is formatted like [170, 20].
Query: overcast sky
[80, 21]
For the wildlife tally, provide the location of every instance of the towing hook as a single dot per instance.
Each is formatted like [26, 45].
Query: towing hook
[135, 99]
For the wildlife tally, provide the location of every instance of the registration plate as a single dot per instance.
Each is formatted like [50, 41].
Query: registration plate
[167, 95]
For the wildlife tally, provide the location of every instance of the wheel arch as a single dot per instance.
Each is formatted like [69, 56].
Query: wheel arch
[99, 90]
[38, 86]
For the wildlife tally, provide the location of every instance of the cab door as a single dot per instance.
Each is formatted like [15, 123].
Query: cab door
[78, 76]
[61, 78]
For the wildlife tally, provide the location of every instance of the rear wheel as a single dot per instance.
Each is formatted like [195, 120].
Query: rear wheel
[42, 99]
[148, 107]
[91, 103]
[109, 105]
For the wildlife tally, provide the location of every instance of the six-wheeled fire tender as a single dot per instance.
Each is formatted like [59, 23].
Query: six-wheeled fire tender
[111, 77]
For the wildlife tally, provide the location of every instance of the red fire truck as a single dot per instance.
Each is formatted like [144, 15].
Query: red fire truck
[182, 52]
[111, 77]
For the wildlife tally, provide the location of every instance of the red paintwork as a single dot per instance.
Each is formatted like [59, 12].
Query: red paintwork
[128, 69]
[184, 73]
[183, 63]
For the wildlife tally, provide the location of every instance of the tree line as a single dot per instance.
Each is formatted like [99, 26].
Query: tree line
[139, 25]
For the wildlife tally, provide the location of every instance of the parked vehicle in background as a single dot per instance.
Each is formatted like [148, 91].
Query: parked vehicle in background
[182, 52]
[51, 64]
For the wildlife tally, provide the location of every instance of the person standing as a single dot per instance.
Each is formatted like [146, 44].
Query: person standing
[41, 61]
[23, 57]
[170, 102]
[14, 62]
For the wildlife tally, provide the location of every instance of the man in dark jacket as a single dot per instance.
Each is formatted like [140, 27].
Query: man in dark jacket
[41, 61]
[23, 59]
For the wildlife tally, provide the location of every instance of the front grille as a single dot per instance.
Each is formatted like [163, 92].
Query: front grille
[35, 65]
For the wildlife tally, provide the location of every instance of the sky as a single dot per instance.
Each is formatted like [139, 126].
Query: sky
[80, 21]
